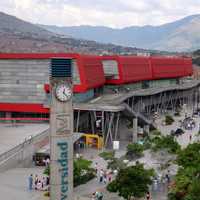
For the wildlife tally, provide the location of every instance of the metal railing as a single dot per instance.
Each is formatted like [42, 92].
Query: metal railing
[6, 155]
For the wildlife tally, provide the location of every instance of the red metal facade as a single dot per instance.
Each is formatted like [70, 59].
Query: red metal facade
[170, 67]
[135, 68]
[188, 66]
[130, 68]
[91, 73]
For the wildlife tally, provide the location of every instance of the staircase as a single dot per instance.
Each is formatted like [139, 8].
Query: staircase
[139, 115]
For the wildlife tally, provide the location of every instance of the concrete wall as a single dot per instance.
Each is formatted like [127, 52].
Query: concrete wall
[23, 80]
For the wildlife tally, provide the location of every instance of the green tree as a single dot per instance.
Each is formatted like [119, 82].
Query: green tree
[83, 171]
[134, 150]
[187, 180]
[107, 155]
[132, 182]
[190, 156]
[169, 120]
[194, 190]
[166, 142]
[116, 164]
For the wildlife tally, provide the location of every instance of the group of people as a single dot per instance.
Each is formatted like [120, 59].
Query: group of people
[36, 183]
[188, 123]
[104, 176]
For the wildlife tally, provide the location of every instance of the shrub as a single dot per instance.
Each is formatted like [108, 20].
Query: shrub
[47, 171]
[155, 132]
[47, 194]
[83, 171]
[169, 120]
[177, 114]
[166, 142]
[134, 150]
[147, 144]
[116, 164]
[107, 155]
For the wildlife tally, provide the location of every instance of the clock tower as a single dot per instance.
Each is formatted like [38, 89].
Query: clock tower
[61, 130]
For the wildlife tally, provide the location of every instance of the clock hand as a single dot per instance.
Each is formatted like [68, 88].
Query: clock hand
[64, 93]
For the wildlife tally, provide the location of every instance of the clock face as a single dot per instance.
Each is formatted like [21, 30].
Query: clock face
[63, 92]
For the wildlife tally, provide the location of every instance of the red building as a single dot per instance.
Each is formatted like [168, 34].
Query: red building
[24, 78]
[130, 69]
[24, 81]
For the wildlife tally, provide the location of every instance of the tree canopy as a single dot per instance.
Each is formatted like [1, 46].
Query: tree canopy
[132, 181]
[82, 171]
[187, 180]
[166, 142]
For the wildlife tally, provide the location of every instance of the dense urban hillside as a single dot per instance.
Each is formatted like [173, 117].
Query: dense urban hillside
[180, 35]
[19, 36]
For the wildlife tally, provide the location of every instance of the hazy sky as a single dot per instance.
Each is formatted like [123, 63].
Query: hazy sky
[113, 13]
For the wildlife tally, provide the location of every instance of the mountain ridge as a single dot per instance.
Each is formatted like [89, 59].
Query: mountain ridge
[17, 35]
[163, 37]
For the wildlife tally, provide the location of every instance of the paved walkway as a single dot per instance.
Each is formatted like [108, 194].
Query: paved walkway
[14, 184]
[150, 160]
[184, 139]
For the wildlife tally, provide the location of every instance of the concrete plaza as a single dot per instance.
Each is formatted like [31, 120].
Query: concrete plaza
[12, 135]
[14, 183]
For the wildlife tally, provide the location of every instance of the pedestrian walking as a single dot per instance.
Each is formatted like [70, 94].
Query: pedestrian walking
[105, 178]
[167, 178]
[148, 196]
[190, 137]
[47, 180]
[30, 182]
[96, 167]
[101, 173]
[39, 185]
[94, 196]
[36, 181]
[43, 181]
[109, 177]
[47, 162]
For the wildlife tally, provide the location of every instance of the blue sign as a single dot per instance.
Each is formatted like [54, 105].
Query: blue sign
[63, 168]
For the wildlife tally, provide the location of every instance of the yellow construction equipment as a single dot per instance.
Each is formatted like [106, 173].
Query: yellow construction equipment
[93, 140]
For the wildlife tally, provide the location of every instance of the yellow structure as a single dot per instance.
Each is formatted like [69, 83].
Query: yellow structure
[93, 140]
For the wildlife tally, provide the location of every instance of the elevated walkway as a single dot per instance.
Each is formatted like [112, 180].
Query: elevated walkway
[132, 102]
[114, 102]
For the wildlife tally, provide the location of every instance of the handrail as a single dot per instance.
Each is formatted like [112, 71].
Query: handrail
[18, 148]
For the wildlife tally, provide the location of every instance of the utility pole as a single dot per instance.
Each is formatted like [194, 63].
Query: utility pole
[61, 130]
